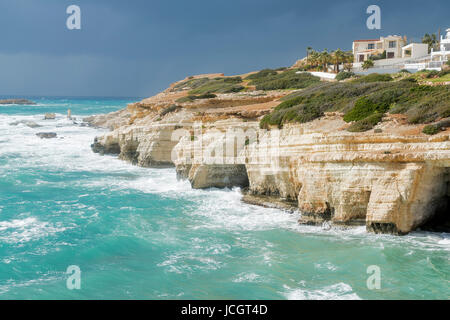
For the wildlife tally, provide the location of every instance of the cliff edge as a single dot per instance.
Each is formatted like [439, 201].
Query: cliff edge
[298, 145]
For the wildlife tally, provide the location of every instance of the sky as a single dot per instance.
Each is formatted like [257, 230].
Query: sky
[136, 48]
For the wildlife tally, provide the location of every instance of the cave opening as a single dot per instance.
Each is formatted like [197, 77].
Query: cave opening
[440, 220]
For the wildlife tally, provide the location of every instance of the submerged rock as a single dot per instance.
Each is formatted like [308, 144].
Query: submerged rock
[30, 124]
[46, 135]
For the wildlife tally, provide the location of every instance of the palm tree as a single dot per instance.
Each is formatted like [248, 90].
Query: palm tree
[431, 40]
[367, 64]
[325, 59]
[314, 58]
[348, 60]
[338, 57]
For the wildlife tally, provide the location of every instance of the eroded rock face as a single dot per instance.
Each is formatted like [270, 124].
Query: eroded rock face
[393, 179]
[211, 157]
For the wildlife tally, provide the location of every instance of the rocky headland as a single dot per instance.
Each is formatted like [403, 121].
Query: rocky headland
[307, 148]
[17, 101]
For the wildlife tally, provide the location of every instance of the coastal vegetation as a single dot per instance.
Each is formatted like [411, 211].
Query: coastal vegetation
[363, 101]
[320, 61]
[436, 127]
[202, 86]
[367, 64]
[272, 80]
[191, 98]
[344, 75]
[432, 41]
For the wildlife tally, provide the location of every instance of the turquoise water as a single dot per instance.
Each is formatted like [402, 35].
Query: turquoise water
[138, 233]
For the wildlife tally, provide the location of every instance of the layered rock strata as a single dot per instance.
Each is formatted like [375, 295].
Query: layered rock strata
[393, 179]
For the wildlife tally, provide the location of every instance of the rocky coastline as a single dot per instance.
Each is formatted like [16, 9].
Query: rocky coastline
[393, 179]
[17, 101]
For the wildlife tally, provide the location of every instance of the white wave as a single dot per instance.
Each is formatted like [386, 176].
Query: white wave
[24, 230]
[247, 277]
[213, 209]
[338, 291]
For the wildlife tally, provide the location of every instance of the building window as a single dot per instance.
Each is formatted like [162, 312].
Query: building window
[371, 46]
[392, 44]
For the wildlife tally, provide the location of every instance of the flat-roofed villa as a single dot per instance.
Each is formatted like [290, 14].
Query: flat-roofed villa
[364, 49]
[438, 58]
[415, 50]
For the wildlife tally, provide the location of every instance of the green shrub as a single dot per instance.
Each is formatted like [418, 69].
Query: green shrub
[344, 75]
[365, 107]
[448, 63]
[420, 103]
[432, 74]
[191, 84]
[218, 85]
[367, 64]
[374, 77]
[443, 73]
[202, 86]
[191, 98]
[366, 123]
[409, 79]
[404, 71]
[262, 74]
[436, 128]
[284, 80]
[431, 129]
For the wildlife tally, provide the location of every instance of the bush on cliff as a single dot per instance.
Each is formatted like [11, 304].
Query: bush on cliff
[201, 86]
[368, 64]
[191, 98]
[431, 129]
[219, 85]
[366, 123]
[421, 104]
[437, 127]
[285, 80]
[363, 108]
[262, 74]
[374, 77]
[344, 75]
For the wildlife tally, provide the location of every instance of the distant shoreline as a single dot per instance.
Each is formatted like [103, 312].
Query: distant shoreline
[17, 101]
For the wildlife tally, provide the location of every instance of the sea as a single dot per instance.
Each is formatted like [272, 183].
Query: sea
[78, 225]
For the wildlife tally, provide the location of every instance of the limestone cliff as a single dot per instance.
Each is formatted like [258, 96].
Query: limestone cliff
[392, 178]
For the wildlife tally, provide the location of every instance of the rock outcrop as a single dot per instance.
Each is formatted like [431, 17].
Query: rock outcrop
[46, 135]
[17, 101]
[393, 178]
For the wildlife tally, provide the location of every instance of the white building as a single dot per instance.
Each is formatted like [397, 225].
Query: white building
[366, 49]
[415, 50]
[438, 58]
